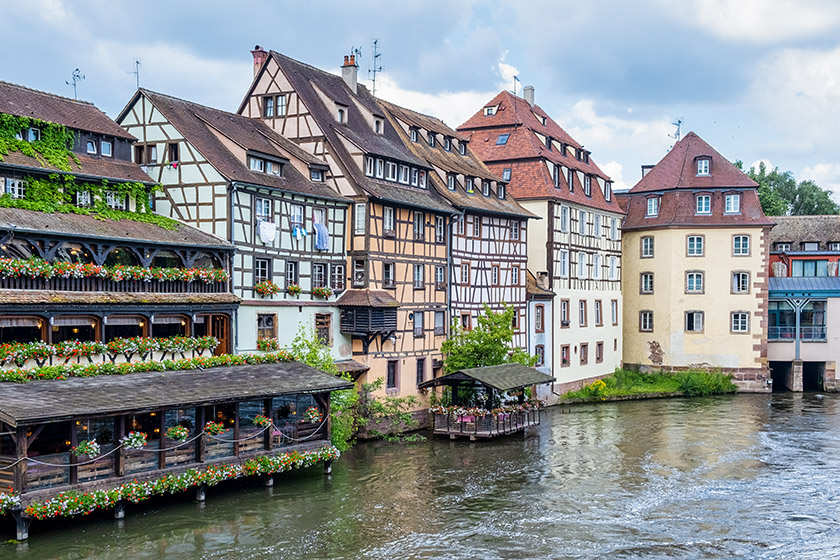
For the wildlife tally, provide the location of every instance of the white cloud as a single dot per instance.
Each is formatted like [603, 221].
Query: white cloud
[826, 175]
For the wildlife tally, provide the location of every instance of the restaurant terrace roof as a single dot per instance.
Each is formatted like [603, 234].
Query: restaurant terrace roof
[504, 377]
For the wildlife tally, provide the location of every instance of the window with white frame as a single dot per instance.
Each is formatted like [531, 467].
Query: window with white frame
[115, 200]
[390, 171]
[500, 190]
[564, 219]
[403, 174]
[596, 225]
[613, 268]
[296, 215]
[783, 247]
[268, 106]
[834, 246]
[319, 275]
[415, 176]
[694, 282]
[741, 245]
[388, 220]
[587, 185]
[462, 220]
[582, 222]
[489, 111]
[694, 321]
[440, 323]
[359, 225]
[83, 198]
[564, 263]
[608, 190]
[422, 180]
[450, 182]
[468, 184]
[596, 267]
[703, 166]
[388, 278]
[582, 313]
[377, 126]
[539, 352]
[740, 321]
[33, 134]
[462, 148]
[733, 203]
[15, 188]
[292, 276]
[262, 210]
[465, 274]
[614, 229]
[418, 324]
[704, 204]
[695, 246]
[337, 277]
[440, 276]
[256, 164]
[432, 139]
[107, 148]
[514, 275]
[646, 281]
[319, 216]
[440, 230]
[281, 105]
[614, 311]
[652, 206]
[419, 276]
[740, 282]
[581, 268]
[262, 270]
[647, 247]
[341, 115]
[599, 317]
[419, 226]
[810, 246]
[494, 275]
[485, 188]
[514, 229]
[646, 320]
[555, 174]
[369, 166]
[380, 169]
[413, 134]
[506, 174]
[90, 147]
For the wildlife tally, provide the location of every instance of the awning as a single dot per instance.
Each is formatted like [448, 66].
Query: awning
[504, 377]
[354, 368]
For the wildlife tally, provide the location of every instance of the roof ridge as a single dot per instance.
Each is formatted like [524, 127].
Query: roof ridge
[57, 96]
[194, 104]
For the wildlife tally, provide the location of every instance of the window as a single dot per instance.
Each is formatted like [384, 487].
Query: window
[485, 188]
[539, 318]
[82, 198]
[388, 221]
[584, 354]
[599, 352]
[380, 169]
[647, 247]
[548, 142]
[115, 200]
[733, 203]
[450, 182]
[613, 268]
[514, 230]
[694, 247]
[440, 277]
[740, 282]
[319, 216]
[419, 226]
[388, 280]
[369, 166]
[599, 316]
[319, 275]
[296, 215]
[581, 268]
[415, 176]
[494, 275]
[608, 190]
[291, 272]
[539, 352]
[359, 226]
[151, 154]
[462, 148]
[514, 275]
[564, 219]
[377, 126]
[316, 175]
[390, 171]
[421, 370]
[741, 245]
[587, 185]
[565, 355]
[440, 323]
[801, 268]
[468, 185]
[489, 111]
[422, 181]
[256, 164]
[506, 174]
[810, 246]
[834, 246]
[614, 311]
[564, 313]
[262, 210]
[391, 375]
[596, 225]
[15, 188]
[281, 105]
[418, 325]
[268, 107]
[646, 282]
[265, 326]
[262, 270]
[461, 224]
[571, 180]
[359, 272]
[337, 277]
[596, 267]
[693, 321]
[466, 321]
[419, 277]
[33, 135]
[91, 147]
[502, 139]
[440, 230]
[783, 247]
[646, 321]
[582, 222]
[740, 322]
[694, 282]
[564, 263]
[500, 189]
[403, 174]
[432, 139]
[341, 115]
[582, 313]
[652, 207]
[703, 204]
[413, 134]
[555, 175]
[465, 274]
[107, 148]
[323, 328]
[703, 166]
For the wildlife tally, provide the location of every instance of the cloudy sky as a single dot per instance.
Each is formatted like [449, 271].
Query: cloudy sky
[758, 79]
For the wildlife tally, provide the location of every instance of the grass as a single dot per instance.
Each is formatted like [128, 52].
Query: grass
[691, 383]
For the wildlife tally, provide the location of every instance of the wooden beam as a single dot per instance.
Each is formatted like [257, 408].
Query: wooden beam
[236, 429]
[119, 432]
[162, 428]
[22, 450]
[74, 441]
[201, 442]
[268, 436]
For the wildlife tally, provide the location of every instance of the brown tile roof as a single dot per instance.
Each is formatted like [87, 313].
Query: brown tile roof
[95, 167]
[534, 289]
[525, 154]
[678, 170]
[79, 225]
[366, 298]
[197, 123]
[305, 79]
[80, 115]
[796, 229]
[453, 162]
[52, 297]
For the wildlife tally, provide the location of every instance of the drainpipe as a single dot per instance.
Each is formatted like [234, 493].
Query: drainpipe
[452, 219]
[234, 327]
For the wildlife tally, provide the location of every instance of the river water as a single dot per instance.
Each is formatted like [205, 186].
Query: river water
[746, 476]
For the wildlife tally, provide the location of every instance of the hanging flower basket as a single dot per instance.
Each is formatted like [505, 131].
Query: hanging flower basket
[313, 414]
[214, 428]
[322, 292]
[88, 447]
[293, 289]
[178, 433]
[134, 440]
[262, 421]
[266, 288]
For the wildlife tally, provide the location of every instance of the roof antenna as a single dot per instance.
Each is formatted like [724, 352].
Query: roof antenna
[515, 79]
[376, 66]
[136, 72]
[676, 134]
[77, 77]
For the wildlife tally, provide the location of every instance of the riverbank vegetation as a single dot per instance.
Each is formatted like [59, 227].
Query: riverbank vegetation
[622, 383]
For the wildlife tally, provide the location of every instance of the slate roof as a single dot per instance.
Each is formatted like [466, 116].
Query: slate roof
[805, 284]
[53, 298]
[453, 162]
[81, 115]
[503, 377]
[80, 225]
[366, 298]
[797, 229]
[199, 124]
[308, 81]
[22, 404]
[524, 154]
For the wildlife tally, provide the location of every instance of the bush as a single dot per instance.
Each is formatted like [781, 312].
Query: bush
[699, 383]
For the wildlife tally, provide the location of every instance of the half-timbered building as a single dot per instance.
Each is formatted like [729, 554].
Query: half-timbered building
[487, 240]
[578, 243]
[238, 179]
[82, 257]
[396, 245]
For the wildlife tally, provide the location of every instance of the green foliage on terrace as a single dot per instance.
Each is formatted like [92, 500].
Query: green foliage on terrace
[691, 383]
[53, 146]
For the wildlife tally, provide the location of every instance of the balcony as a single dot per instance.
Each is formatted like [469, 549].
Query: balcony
[807, 332]
[108, 285]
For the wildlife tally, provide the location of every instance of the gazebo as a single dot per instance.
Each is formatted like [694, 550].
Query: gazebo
[477, 409]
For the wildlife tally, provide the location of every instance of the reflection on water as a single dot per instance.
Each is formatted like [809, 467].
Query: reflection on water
[748, 476]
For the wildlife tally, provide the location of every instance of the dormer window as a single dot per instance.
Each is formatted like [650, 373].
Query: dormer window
[15, 188]
[579, 154]
[652, 206]
[500, 189]
[380, 169]
[704, 204]
[485, 188]
[33, 135]
[91, 147]
[608, 190]
[316, 175]
[391, 168]
[422, 179]
[703, 166]
[377, 126]
[733, 204]
[256, 164]
[563, 149]
[571, 179]
[450, 182]
[341, 115]
[115, 200]
[447, 143]
[414, 135]
[587, 185]
[468, 185]
[369, 166]
[506, 174]
[548, 142]
[462, 147]
[432, 139]
[502, 139]
[403, 174]
[489, 111]
[783, 247]
[834, 246]
[810, 246]
[107, 148]
[542, 120]
[273, 168]
[82, 198]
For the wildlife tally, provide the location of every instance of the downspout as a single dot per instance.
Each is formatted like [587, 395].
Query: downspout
[235, 322]
[452, 219]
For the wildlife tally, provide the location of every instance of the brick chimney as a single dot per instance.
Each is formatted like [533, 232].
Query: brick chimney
[260, 56]
[350, 72]
[528, 94]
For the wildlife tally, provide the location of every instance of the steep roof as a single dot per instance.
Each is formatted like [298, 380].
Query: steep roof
[305, 79]
[366, 298]
[453, 162]
[678, 169]
[525, 152]
[796, 229]
[504, 377]
[532, 287]
[89, 167]
[80, 115]
[200, 124]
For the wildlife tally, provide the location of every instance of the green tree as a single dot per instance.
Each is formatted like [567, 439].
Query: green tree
[780, 194]
[490, 343]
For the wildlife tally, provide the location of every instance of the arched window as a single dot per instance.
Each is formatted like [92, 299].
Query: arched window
[73, 253]
[123, 256]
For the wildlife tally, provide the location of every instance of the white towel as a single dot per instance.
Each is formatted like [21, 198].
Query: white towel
[268, 231]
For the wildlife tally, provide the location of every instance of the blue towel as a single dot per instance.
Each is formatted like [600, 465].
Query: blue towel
[322, 237]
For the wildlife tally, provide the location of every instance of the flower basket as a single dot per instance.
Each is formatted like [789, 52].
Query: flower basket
[322, 292]
[262, 421]
[268, 344]
[266, 288]
[88, 447]
[178, 433]
[313, 414]
[134, 440]
[293, 289]
[214, 428]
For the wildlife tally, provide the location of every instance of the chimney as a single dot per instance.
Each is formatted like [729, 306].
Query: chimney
[646, 169]
[260, 56]
[350, 72]
[542, 275]
[528, 94]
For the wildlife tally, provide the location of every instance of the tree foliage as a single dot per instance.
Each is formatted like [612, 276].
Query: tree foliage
[490, 343]
[780, 194]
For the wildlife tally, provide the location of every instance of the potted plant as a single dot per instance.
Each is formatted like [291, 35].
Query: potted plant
[88, 447]
[262, 421]
[134, 440]
[214, 428]
[313, 414]
[268, 344]
[293, 289]
[178, 433]
[266, 288]
[322, 292]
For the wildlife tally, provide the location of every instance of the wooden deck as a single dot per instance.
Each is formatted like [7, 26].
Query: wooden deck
[489, 426]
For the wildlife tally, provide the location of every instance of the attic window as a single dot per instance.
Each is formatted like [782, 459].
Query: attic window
[548, 142]
[33, 135]
[468, 185]
[703, 166]
[341, 115]
[462, 148]
[810, 246]
[608, 191]
[542, 120]
[377, 126]
[450, 182]
[563, 149]
[413, 134]
[489, 111]
[316, 175]
[91, 147]
[502, 139]
[432, 139]
[273, 168]
[107, 148]
[447, 143]
[501, 190]
[256, 164]
[268, 107]
[422, 179]
[485, 188]
[587, 185]
[506, 174]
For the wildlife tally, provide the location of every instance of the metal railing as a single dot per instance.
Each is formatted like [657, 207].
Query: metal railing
[808, 332]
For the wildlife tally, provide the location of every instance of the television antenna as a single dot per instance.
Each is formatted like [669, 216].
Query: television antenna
[77, 77]
[376, 66]
[136, 72]
[676, 134]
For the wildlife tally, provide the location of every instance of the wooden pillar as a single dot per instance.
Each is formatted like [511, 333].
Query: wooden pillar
[22, 447]
[162, 428]
[236, 429]
[21, 524]
[268, 436]
[119, 509]
[119, 432]
[74, 441]
[201, 442]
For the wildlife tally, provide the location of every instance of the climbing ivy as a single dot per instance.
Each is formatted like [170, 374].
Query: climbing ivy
[53, 147]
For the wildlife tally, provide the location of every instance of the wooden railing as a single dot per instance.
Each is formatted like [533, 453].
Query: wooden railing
[107, 285]
[485, 426]
[155, 356]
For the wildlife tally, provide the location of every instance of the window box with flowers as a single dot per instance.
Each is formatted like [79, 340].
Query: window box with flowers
[266, 288]
[322, 292]
[134, 440]
[214, 428]
[178, 433]
[313, 414]
[268, 344]
[87, 448]
[293, 289]
[262, 421]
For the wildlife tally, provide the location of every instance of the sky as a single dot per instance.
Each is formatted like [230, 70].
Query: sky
[757, 79]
